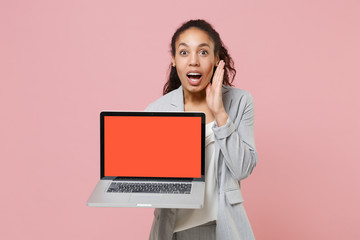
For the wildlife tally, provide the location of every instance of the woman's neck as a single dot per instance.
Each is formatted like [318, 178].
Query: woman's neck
[197, 103]
[194, 98]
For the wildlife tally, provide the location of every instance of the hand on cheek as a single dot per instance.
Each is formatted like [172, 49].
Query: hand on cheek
[214, 95]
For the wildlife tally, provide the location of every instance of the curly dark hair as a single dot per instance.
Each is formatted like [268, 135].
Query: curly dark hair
[173, 81]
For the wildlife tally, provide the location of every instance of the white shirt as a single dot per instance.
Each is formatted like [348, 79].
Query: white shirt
[188, 218]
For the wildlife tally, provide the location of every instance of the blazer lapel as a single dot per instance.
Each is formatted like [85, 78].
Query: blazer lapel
[177, 100]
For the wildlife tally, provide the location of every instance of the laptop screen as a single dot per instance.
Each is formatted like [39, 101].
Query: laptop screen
[152, 146]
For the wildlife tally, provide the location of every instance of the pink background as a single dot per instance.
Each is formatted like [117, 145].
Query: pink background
[62, 62]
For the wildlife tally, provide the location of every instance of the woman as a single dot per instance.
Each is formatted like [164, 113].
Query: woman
[199, 80]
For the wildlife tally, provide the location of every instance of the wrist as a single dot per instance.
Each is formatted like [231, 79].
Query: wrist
[221, 118]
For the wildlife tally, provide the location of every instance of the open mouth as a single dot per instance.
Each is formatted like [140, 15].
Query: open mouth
[194, 76]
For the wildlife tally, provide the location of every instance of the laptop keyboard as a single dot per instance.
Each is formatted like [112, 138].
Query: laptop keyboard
[169, 188]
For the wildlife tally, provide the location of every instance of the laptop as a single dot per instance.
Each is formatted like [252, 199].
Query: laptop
[151, 159]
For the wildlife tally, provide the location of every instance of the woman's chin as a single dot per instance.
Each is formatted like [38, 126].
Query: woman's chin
[194, 88]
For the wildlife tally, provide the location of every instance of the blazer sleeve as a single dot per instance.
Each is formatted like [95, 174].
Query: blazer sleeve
[236, 139]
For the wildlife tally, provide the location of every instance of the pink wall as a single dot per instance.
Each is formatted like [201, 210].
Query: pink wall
[61, 62]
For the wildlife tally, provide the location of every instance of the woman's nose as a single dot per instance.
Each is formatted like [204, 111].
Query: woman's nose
[194, 60]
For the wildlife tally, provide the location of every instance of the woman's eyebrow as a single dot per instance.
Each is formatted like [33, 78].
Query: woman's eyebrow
[200, 45]
[183, 44]
[204, 45]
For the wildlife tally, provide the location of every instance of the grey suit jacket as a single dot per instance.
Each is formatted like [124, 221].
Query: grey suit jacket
[235, 159]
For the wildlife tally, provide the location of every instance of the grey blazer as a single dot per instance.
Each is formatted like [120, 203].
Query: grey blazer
[236, 158]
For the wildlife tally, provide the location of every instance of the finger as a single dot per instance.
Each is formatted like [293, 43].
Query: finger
[218, 72]
[215, 76]
[220, 77]
[219, 80]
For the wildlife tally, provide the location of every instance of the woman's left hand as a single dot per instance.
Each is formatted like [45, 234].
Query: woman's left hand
[214, 95]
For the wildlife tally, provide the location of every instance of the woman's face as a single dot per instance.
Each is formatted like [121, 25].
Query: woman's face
[194, 59]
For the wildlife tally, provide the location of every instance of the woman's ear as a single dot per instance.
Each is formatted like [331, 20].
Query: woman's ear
[173, 61]
[217, 60]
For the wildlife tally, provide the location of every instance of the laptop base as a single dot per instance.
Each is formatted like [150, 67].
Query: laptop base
[101, 198]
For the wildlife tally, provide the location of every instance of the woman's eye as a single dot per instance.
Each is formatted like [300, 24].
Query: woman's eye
[183, 53]
[203, 52]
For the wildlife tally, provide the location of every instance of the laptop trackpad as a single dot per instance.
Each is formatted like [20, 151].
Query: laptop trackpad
[145, 198]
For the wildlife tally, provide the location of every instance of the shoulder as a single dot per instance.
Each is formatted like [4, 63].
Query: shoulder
[237, 94]
[165, 102]
[162, 101]
[238, 103]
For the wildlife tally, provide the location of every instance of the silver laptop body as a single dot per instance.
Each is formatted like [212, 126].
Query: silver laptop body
[151, 159]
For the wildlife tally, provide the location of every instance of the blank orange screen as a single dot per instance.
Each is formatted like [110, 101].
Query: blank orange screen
[152, 146]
